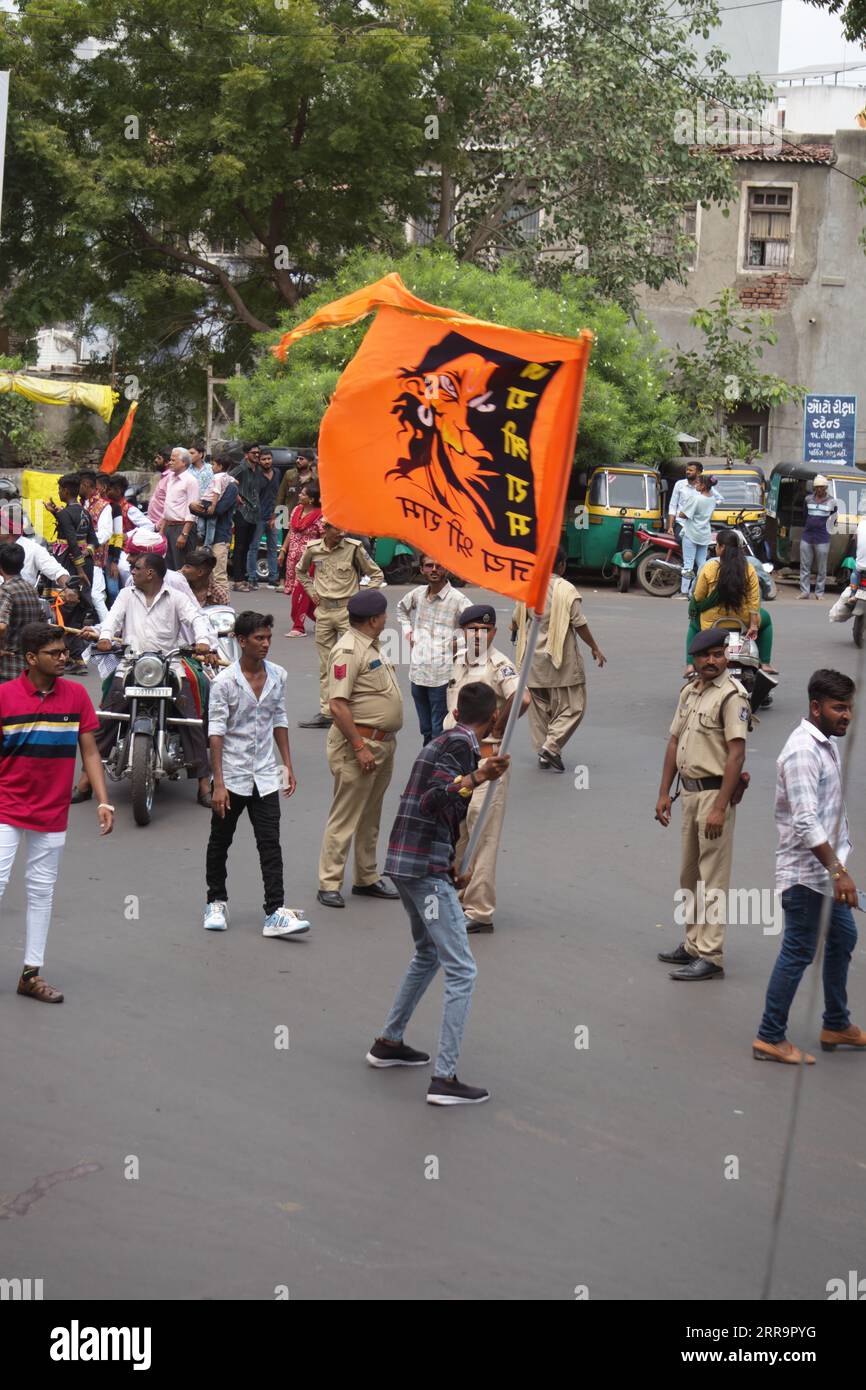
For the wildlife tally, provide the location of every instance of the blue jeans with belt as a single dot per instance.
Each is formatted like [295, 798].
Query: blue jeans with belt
[802, 909]
[438, 925]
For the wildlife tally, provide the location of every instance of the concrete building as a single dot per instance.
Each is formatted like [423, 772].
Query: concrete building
[790, 245]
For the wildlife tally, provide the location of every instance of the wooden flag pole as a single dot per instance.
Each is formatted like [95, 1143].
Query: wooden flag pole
[513, 716]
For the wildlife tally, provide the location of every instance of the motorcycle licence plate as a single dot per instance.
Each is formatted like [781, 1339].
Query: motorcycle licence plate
[145, 692]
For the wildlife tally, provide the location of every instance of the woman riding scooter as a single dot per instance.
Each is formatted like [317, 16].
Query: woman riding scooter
[727, 587]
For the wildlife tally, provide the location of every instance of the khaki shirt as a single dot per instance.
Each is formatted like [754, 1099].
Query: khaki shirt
[358, 672]
[542, 673]
[703, 732]
[338, 571]
[497, 671]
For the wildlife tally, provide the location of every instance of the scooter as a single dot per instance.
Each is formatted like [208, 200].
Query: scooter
[744, 664]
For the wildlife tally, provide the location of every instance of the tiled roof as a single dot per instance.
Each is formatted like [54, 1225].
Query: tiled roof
[794, 153]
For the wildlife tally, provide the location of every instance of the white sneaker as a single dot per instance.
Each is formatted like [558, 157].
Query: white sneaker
[216, 916]
[286, 921]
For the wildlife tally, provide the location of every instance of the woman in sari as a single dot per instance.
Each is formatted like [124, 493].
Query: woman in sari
[728, 587]
[305, 525]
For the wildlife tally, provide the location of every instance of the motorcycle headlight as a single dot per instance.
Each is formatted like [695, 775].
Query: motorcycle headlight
[148, 670]
[768, 569]
[223, 624]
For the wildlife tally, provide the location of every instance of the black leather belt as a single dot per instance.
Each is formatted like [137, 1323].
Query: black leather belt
[701, 784]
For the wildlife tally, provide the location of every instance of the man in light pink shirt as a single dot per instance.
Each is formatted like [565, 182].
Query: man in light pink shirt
[177, 519]
[157, 502]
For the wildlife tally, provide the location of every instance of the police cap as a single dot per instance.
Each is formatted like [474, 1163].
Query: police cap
[478, 613]
[367, 603]
[705, 641]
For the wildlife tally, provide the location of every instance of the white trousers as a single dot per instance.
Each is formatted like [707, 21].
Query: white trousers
[44, 849]
[97, 593]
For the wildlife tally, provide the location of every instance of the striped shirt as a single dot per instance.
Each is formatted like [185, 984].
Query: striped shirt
[809, 808]
[432, 621]
[40, 731]
[431, 810]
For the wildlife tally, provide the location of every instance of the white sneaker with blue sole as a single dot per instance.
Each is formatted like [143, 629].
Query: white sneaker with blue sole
[286, 921]
[216, 916]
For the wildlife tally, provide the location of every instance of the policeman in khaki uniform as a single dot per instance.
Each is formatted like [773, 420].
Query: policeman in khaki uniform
[340, 562]
[367, 709]
[481, 661]
[707, 747]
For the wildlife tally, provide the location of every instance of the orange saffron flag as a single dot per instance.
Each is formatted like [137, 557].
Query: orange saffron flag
[117, 446]
[452, 434]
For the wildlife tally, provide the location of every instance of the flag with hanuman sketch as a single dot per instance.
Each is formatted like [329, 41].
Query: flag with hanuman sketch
[452, 434]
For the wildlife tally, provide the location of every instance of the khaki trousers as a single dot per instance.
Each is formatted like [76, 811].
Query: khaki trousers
[706, 862]
[554, 714]
[220, 569]
[479, 897]
[356, 809]
[331, 623]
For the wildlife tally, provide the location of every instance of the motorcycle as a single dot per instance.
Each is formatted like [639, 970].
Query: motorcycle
[148, 746]
[222, 617]
[751, 534]
[657, 564]
[858, 628]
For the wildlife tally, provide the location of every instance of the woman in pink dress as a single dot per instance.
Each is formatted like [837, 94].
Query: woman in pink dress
[305, 525]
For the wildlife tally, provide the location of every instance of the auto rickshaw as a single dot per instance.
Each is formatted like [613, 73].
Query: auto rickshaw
[789, 486]
[608, 505]
[742, 487]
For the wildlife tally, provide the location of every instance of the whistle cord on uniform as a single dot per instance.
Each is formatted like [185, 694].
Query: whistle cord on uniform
[823, 930]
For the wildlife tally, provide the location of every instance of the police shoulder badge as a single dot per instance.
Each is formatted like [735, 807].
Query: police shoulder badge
[340, 672]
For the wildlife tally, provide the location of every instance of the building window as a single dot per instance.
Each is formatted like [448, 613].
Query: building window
[752, 423]
[768, 234]
[687, 225]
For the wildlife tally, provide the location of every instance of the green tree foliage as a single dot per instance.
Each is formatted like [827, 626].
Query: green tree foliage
[625, 414]
[726, 372]
[21, 439]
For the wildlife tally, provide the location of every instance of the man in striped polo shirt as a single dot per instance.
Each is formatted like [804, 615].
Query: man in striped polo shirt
[44, 720]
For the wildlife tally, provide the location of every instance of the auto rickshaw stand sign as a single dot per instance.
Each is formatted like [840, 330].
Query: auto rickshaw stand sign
[829, 429]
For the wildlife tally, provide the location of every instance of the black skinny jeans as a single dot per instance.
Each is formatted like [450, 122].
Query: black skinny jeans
[264, 812]
[244, 533]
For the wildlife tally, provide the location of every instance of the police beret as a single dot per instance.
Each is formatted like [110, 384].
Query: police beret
[367, 603]
[477, 613]
[705, 641]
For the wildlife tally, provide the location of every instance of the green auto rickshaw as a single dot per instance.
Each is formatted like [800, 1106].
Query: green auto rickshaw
[611, 501]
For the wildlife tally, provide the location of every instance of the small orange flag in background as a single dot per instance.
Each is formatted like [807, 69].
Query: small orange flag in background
[452, 434]
[117, 446]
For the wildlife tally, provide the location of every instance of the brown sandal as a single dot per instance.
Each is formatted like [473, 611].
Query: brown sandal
[37, 988]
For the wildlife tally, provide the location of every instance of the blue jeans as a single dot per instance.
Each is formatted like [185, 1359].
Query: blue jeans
[432, 706]
[694, 557]
[270, 533]
[802, 908]
[438, 926]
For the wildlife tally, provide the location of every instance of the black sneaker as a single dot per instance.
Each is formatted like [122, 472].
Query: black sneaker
[447, 1090]
[384, 1054]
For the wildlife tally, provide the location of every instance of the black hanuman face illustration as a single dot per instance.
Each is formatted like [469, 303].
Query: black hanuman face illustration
[468, 411]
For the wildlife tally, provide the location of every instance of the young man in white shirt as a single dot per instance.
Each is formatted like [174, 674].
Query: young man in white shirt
[247, 717]
[150, 616]
[428, 615]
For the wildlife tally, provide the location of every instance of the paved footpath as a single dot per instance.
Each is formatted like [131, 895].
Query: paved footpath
[157, 1144]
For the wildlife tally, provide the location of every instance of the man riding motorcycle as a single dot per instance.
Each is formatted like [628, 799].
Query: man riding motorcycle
[150, 616]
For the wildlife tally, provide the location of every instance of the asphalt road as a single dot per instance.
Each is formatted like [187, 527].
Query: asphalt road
[261, 1168]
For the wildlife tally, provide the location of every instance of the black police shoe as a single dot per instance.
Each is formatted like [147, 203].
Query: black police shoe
[332, 899]
[699, 970]
[679, 956]
[379, 889]
[551, 760]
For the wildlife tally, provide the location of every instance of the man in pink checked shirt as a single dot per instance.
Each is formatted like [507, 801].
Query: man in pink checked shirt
[177, 519]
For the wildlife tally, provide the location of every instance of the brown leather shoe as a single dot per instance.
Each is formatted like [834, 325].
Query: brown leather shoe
[37, 988]
[780, 1052]
[852, 1037]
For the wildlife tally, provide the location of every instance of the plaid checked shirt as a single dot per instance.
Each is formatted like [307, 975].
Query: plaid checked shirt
[431, 810]
[432, 621]
[809, 808]
[19, 605]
